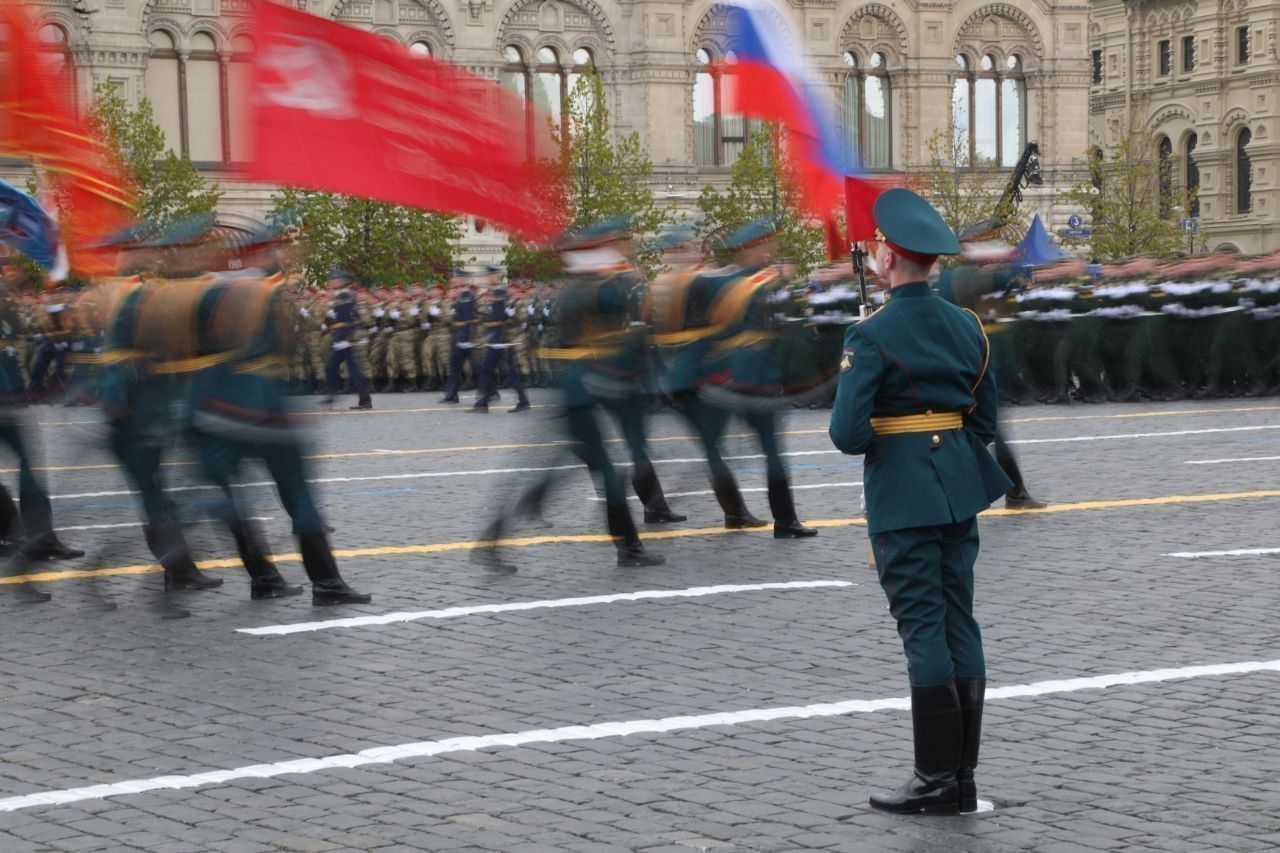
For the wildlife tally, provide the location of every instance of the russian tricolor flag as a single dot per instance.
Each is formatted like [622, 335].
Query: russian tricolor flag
[767, 82]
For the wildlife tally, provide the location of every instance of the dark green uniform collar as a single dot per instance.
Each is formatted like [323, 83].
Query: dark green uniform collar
[914, 288]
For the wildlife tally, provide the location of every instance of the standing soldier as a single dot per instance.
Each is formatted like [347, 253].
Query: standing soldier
[915, 399]
[342, 330]
[379, 337]
[51, 354]
[435, 342]
[463, 322]
[402, 366]
[498, 340]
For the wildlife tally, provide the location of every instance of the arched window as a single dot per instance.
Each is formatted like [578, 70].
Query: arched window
[1164, 166]
[1244, 173]
[238, 73]
[163, 82]
[549, 83]
[204, 102]
[191, 95]
[515, 76]
[706, 103]
[992, 99]
[851, 110]
[1193, 174]
[718, 136]
[53, 40]
[420, 48]
[583, 64]
[876, 152]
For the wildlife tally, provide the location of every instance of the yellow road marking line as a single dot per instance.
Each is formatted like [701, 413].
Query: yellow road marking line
[597, 538]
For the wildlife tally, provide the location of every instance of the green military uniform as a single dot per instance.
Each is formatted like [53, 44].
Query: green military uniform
[916, 400]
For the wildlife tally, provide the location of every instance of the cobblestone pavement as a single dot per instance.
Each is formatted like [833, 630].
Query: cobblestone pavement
[1179, 755]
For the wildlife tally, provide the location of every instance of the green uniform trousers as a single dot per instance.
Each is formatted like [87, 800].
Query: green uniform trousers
[927, 574]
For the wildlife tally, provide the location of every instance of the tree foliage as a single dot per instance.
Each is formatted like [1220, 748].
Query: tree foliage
[167, 186]
[1133, 208]
[761, 184]
[966, 195]
[593, 177]
[374, 242]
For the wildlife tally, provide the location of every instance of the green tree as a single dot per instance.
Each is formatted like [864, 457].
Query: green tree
[966, 195]
[592, 178]
[167, 186]
[1131, 198]
[761, 184]
[375, 242]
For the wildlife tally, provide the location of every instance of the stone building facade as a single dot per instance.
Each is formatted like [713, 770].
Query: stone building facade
[898, 71]
[1204, 79]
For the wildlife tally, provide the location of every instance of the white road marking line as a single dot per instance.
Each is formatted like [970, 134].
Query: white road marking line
[1234, 459]
[140, 524]
[1238, 552]
[596, 731]
[1143, 434]
[471, 610]
[421, 475]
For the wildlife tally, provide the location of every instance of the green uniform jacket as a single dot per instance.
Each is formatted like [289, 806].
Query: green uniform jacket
[919, 355]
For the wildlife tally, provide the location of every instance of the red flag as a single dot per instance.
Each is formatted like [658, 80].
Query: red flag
[38, 119]
[837, 245]
[342, 110]
[860, 196]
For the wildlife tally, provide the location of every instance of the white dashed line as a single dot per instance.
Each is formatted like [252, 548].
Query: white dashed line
[596, 731]
[1235, 459]
[1238, 552]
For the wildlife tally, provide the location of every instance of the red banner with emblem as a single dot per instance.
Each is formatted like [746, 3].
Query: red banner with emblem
[341, 110]
[39, 120]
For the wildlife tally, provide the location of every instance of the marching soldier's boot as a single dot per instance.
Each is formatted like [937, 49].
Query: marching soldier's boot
[170, 548]
[631, 552]
[487, 555]
[327, 585]
[10, 529]
[1018, 497]
[644, 479]
[932, 789]
[971, 692]
[264, 580]
[729, 496]
[786, 525]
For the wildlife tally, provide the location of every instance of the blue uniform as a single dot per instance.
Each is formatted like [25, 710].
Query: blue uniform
[498, 350]
[342, 327]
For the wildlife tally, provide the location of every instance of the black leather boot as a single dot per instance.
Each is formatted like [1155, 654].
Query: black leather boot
[645, 481]
[170, 548]
[265, 580]
[785, 523]
[327, 585]
[631, 552]
[932, 789]
[1019, 498]
[47, 546]
[971, 692]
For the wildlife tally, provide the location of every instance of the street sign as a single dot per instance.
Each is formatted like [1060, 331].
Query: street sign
[1079, 233]
[1191, 226]
[1075, 221]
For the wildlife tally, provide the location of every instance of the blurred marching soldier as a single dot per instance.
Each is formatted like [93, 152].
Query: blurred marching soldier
[603, 254]
[245, 330]
[379, 337]
[137, 398]
[342, 330]
[464, 318]
[363, 334]
[984, 278]
[521, 329]
[915, 399]
[499, 341]
[593, 365]
[399, 340]
[28, 533]
[51, 353]
[721, 328]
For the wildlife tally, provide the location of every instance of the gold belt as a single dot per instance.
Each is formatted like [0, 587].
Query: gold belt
[903, 424]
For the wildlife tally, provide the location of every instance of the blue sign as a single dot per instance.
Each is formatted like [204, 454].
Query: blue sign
[1079, 233]
[1191, 225]
[1074, 221]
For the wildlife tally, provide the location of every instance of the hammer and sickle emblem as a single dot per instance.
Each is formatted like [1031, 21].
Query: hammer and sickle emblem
[308, 75]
